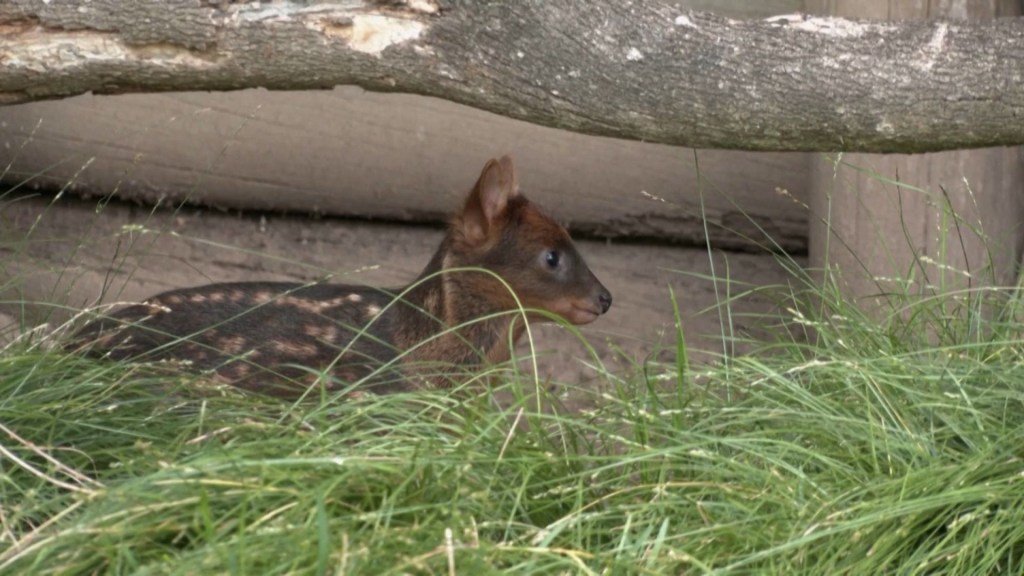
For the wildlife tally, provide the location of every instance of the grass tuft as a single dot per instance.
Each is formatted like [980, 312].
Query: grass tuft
[855, 443]
[862, 450]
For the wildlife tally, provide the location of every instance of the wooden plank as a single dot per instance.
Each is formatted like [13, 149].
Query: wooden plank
[399, 157]
[880, 232]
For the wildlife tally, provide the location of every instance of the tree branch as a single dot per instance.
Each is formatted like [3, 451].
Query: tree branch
[641, 70]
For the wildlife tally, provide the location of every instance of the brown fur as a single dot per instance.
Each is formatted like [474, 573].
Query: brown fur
[279, 338]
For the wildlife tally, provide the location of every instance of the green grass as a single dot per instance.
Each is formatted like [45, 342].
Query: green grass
[888, 446]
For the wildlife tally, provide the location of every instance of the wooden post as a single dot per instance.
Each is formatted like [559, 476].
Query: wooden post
[874, 231]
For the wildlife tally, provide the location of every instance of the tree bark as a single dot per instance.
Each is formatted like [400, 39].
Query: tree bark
[637, 70]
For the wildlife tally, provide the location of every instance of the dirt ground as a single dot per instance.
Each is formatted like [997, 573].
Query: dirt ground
[61, 255]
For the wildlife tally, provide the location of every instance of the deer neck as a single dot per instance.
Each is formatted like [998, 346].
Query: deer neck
[459, 314]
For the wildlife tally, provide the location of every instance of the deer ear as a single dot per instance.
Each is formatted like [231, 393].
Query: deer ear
[485, 207]
[508, 170]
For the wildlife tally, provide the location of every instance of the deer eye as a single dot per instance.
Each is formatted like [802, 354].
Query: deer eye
[552, 258]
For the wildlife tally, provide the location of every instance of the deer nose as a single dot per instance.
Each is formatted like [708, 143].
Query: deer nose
[605, 299]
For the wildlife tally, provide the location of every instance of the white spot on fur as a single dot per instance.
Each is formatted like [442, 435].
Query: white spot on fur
[372, 310]
[334, 302]
[157, 307]
[355, 298]
[634, 55]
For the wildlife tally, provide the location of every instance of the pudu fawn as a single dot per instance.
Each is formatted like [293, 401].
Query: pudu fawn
[280, 338]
